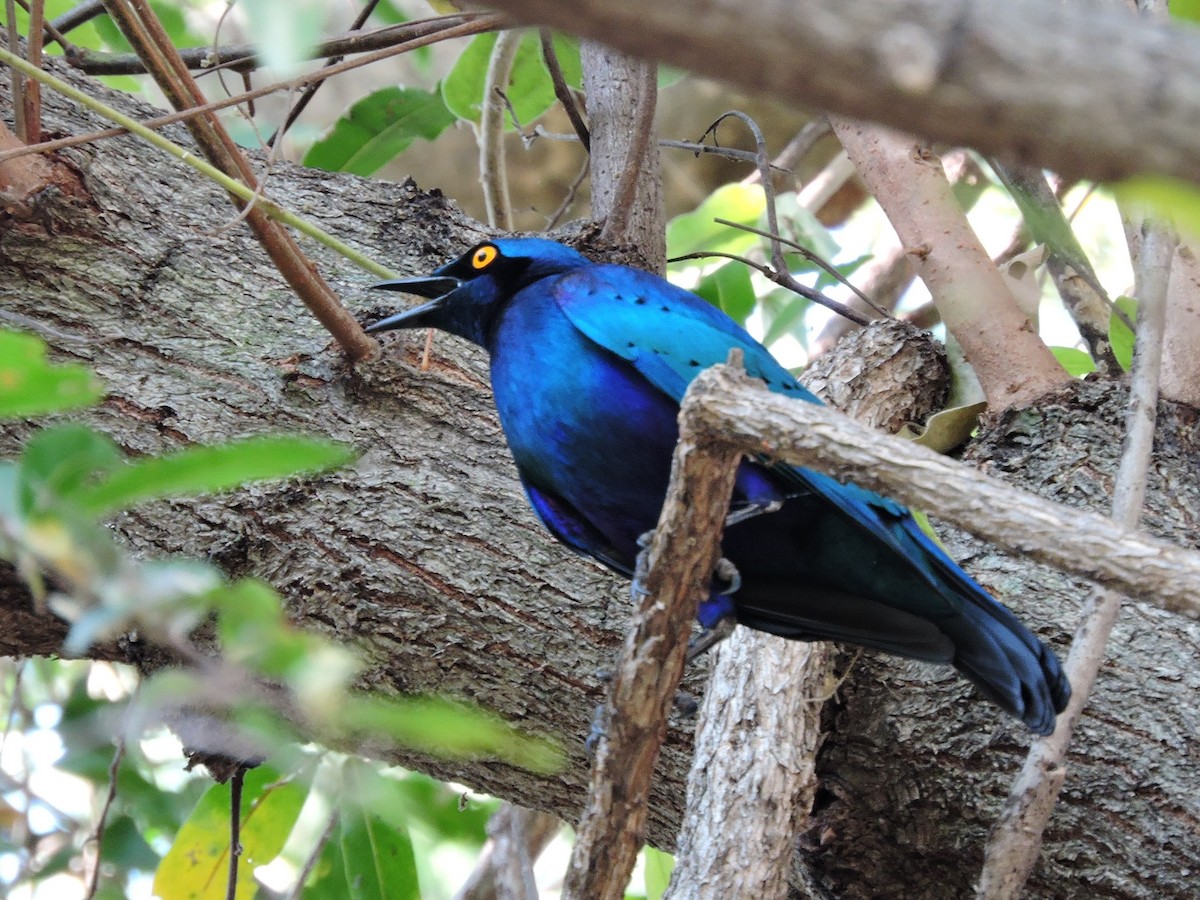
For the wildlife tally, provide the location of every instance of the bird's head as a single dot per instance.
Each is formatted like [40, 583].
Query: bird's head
[466, 293]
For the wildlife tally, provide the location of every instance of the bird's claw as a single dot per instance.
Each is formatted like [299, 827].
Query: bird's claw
[752, 510]
[596, 732]
[726, 571]
[709, 638]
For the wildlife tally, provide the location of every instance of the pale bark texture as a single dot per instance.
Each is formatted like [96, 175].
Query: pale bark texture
[424, 555]
[627, 194]
[1025, 80]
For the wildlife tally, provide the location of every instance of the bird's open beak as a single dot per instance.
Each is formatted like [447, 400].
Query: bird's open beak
[434, 286]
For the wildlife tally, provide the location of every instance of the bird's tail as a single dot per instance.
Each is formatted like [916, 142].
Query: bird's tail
[1008, 664]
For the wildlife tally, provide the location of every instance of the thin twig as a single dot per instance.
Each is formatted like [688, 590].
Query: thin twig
[109, 797]
[699, 148]
[569, 197]
[49, 31]
[314, 855]
[235, 830]
[783, 279]
[246, 56]
[795, 150]
[562, 90]
[1013, 847]
[493, 175]
[778, 269]
[301, 104]
[476, 26]
[811, 257]
[80, 15]
[18, 83]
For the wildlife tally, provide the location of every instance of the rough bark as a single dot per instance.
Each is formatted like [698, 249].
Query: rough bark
[424, 555]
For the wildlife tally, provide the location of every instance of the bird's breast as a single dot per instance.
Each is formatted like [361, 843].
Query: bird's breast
[580, 421]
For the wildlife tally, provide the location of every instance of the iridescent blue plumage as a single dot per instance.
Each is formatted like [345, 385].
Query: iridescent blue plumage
[589, 363]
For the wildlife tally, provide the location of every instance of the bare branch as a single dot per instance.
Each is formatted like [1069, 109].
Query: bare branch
[1012, 362]
[682, 556]
[561, 90]
[244, 58]
[1079, 543]
[1013, 847]
[493, 176]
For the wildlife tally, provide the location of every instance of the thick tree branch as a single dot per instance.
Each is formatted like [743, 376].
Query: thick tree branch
[424, 554]
[1021, 80]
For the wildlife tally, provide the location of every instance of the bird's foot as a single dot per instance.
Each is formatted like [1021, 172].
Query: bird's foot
[727, 572]
[709, 638]
[596, 732]
[637, 587]
[751, 510]
[686, 703]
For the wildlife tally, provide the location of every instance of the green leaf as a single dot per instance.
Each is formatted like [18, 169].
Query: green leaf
[945, 430]
[288, 30]
[58, 463]
[1119, 334]
[530, 90]
[1077, 362]
[30, 386]
[728, 288]
[378, 128]
[1186, 10]
[697, 231]
[447, 729]
[784, 311]
[203, 470]
[1170, 198]
[196, 867]
[658, 872]
[377, 856]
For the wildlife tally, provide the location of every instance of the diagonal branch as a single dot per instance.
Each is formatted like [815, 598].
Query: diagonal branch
[1013, 364]
[1012, 849]
[682, 556]
[142, 29]
[731, 407]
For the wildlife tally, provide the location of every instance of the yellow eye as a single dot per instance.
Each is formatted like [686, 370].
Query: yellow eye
[484, 256]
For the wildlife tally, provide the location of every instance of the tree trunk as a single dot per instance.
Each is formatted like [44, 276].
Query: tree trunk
[424, 555]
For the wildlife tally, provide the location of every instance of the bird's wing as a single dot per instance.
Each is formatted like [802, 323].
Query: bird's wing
[670, 335]
[667, 333]
[566, 523]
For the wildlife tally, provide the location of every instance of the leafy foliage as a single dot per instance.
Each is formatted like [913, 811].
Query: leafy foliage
[530, 92]
[52, 500]
[378, 128]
